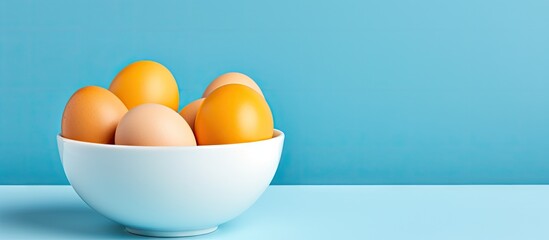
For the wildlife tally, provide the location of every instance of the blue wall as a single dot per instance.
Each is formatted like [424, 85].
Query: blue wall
[368, 92]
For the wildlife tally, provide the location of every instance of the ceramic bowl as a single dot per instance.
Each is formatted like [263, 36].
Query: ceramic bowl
[170, 191]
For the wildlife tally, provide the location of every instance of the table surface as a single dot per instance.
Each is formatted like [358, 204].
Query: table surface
[311, 212]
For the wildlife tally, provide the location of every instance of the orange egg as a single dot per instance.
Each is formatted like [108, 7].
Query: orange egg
[233, 113]
[91, 115]
[231, 78]
[153, 125]
[146, 82]
[189, 111]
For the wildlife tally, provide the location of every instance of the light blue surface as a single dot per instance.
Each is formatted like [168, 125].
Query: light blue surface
[368, 92]
[311, 212]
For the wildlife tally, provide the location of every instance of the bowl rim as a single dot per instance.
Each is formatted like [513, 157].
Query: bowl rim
[277, 134]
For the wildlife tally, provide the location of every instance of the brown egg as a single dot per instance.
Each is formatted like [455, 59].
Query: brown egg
[234, 113]
[153, 125]
[91, 115]
[189, 111]
[146, 82]
[231, 78]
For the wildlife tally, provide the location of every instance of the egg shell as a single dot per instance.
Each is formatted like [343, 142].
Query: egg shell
[233, 113]
[153, 125]
[146, 82]
[91, 115]
[189, 112]
[232, 78]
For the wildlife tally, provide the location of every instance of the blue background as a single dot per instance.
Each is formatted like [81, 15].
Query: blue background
[368, 92]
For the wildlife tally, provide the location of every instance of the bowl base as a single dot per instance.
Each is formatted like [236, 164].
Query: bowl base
[170, 234]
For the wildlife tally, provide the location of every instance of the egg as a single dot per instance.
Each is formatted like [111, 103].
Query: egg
[153, 125]
[146, 82]
[189, 111]
[91, 115]
[231, 78]
[233, 113]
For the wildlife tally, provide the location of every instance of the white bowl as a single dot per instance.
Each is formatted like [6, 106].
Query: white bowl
[170, 191]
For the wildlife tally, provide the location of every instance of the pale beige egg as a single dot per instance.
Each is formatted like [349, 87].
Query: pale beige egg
[153, 125]
[232, 78]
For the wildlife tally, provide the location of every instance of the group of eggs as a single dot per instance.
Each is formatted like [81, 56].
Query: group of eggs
[140, 108]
